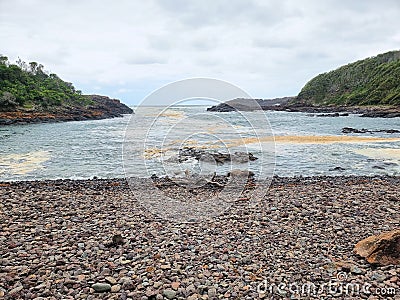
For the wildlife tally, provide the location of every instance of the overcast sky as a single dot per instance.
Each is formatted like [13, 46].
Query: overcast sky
[127, 49]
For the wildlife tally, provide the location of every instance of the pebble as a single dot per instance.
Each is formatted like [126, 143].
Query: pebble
[101, 287]
[357, 270]
[175, 285]
[313, 224]
[115, 288]
[212, 292]
[378, 277]
[170, 294]
[111, 280]
[16, 290]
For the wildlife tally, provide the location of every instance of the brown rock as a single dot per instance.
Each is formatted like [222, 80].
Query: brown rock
[175, 285]
[383, 249]
[15, 291]
[115, 288]
[111, 280]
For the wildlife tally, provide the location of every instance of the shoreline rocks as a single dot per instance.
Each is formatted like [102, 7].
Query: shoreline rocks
[55, 234]
[364, 130]
[285, 104]
[103, 108]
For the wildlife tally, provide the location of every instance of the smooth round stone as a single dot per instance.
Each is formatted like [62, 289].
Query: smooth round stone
[101, 287]
[170, 294]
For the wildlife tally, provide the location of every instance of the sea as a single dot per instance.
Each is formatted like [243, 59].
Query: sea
[150, 142]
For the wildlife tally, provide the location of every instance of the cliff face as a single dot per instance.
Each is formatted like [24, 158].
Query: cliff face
[108, 105]
[101, 107]
[371, 81]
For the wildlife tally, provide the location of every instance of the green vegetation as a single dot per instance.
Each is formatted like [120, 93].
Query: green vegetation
[30, 87]
[372, 81]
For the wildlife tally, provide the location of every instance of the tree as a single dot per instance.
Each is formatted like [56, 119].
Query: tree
[23, 66]
[23, 84]
[3, 60]
[33, 66]
[7, 101]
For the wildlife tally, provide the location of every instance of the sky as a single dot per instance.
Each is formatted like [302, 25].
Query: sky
[127, 49]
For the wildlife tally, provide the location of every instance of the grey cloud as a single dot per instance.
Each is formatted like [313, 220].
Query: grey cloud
[159, 42]
[272, 42]
[145, 60]
[265, 46]
[234, 12]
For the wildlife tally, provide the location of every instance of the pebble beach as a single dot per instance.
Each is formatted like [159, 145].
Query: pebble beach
[92, 239]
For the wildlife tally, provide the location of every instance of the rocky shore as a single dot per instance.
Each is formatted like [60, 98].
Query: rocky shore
[102, 108]
[285, 104]
[92, 239]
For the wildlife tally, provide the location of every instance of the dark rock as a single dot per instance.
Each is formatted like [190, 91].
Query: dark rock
[293, 104]
[337, 169]
[329, 115]
[207, 156]
[381, 114]
[240, 173]
[353, 130]
[101, 287]
[242, 104]
[363, 130]
[117, 240]
[378, 167]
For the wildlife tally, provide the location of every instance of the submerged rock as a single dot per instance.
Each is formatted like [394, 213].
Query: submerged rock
[383, 249]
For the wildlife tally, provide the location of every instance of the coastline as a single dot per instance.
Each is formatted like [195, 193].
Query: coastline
[323, 111]
[57, 240]
[102, 108]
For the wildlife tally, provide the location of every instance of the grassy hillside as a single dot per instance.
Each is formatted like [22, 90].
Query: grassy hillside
[371, 81]
[27, 86]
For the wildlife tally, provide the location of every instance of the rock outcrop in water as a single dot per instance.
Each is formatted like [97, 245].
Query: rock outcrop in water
[364, 130]
[369, 87]
[209, 156]
[242, 104]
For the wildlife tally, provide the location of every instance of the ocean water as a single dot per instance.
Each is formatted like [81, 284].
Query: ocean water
[287, 144]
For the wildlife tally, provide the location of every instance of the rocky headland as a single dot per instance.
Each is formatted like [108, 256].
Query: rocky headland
[30, 94]
[101, 107]
[289, 104]
[369, 87]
